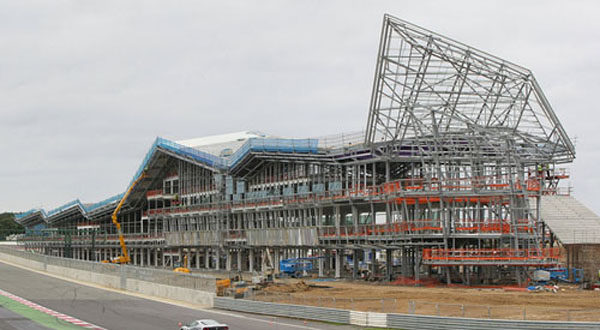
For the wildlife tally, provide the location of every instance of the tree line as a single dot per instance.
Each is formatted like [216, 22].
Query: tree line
[9, 226]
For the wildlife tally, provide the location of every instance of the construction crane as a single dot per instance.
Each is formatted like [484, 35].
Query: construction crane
[123, 259]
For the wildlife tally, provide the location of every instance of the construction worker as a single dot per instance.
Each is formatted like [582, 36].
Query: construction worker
[540, 170]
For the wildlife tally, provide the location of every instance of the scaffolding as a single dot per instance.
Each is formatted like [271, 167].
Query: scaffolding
[459, 147]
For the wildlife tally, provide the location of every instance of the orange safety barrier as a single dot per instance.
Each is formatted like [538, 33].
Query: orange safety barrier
[490, 254]
[533, 184]
[388, 188]
[501, 227]
[487, 228]
[425, 200]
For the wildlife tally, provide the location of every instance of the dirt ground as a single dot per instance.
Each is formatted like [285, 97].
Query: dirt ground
[569, 303]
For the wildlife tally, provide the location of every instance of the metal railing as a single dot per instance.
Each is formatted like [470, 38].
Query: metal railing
[390, 320]
[341, 140]
[416, 307]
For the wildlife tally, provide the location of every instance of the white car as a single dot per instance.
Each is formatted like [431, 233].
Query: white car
[205, 325]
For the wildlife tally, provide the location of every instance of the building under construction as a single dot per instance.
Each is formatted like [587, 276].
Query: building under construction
[455, 176]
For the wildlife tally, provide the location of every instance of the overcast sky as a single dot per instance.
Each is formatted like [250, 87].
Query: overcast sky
[86, 86]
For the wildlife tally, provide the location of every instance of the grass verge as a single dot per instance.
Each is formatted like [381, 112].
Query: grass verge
[36, 316]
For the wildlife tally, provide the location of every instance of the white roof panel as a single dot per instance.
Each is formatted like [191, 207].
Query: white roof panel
[570, 221]
[215, 144]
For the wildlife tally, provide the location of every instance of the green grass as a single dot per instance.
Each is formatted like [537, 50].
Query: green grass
[36, 316]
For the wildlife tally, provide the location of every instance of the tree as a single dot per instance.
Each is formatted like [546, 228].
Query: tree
[9, 226]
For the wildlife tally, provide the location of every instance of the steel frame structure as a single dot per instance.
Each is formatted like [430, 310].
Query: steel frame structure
[458, 149]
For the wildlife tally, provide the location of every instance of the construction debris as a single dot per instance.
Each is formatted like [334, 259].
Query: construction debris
[300, 286]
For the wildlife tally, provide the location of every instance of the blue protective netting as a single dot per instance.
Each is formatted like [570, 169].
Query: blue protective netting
[107, 201]
[252, 145]
[68, 205]
[273, 145]
[30, 212]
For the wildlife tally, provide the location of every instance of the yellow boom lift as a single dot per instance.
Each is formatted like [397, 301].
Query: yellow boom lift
[123, 259]
[183, 267]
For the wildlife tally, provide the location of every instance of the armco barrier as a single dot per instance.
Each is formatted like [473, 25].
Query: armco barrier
[193, 288]
[402, 321]
[406, 321]
[296, 311]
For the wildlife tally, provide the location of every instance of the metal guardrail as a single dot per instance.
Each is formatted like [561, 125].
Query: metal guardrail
[403, 321]
[295, 311]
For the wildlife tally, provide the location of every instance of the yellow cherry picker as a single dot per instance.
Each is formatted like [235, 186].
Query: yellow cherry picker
[124, 258]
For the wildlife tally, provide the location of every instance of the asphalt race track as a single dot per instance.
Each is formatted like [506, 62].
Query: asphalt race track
[118, 311]
[13, 321]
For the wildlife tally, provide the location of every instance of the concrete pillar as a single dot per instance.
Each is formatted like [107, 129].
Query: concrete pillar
[276, 259]
[206, 258]
[229, 260]
[388, 264]
[217, 258]
[239, 260]
[337, 220]
[373, 262]
[180, 255]
[355, 266]
[197, 258]
[188, 265]
[411, 262]
[135, 262]
[155, 257]
[251, 260]
[164, 258]
[330, 258]
[418, 266]
[142, 257]
[338, 263]
[321, 262]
